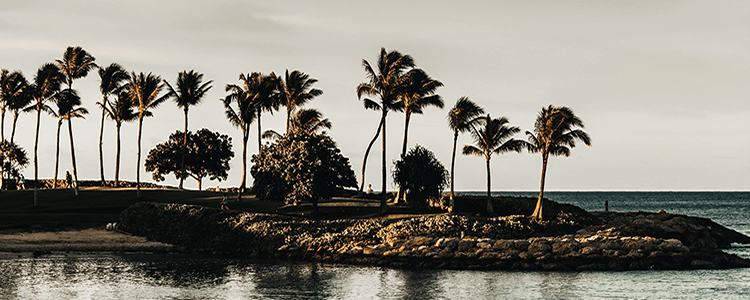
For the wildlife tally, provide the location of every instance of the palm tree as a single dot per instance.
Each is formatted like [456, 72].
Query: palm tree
[308, 120]
[112, 81]
[68, 107]
[12, 86]
[242, 117]
[294, 91]
[418, 93]
[554, 133]
[45, 86]
[494, 136]
[190, 91]
[385, 85]
[460, 119]
[120, 111]
[76, 63]
[143, 90]
[265, 97]
[16, 97]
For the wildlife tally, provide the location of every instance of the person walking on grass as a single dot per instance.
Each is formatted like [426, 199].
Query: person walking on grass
[224, 202]
[68, 180]
[22, 182]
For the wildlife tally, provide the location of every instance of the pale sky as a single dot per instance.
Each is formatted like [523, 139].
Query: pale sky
[663, 86]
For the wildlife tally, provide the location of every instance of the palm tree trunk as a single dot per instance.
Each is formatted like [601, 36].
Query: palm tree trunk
[57, 153]
[36, 160]
[138, 165]
[288, 118]
[13, 131]
[489, 191]
[2, 123]
[453, 166]
[73, 157]
[384, 197]
[259, 133]
[537, 215]
[245, 136]
[117, 157]
[184, 146]
[101, 139]
[367, 153]
[401, 192]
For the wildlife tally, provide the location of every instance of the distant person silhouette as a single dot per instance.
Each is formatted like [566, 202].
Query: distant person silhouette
[22, 182]
[369, 188]
[68, 179]
[224, 202]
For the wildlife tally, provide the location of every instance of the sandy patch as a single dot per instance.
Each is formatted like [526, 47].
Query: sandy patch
[79, 240]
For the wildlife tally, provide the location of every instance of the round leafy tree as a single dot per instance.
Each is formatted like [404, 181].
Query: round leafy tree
[299, 167]
[423, 176]
[208, 154]
[13, 159]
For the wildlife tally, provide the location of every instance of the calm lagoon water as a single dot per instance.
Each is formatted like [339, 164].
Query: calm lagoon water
[145, 276]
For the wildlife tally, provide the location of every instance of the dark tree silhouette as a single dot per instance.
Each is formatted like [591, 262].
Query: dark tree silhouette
[308, 120]
[190, 91]
[13, 95]
[294, 91]
[460, 119]
[45, 86]
[208, 156]
[144, 90]
[112, 81]
[13, 159]
[420, 173]
[238, 108]
[554, 133]
[68, 107]
[493, 136]
[120, 111]
[384, 84]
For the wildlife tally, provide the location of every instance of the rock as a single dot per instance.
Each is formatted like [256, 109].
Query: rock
[484, 245]
[504, 245]
[539, 248]
[589, 250]
[465, 245]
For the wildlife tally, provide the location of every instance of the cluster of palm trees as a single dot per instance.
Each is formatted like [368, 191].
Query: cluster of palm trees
[258, 93]
[125, 98]
[401, 87]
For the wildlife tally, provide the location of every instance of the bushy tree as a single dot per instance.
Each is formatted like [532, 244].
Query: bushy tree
[422, 175]
[301, 167]
[13, 159]
[208, 154]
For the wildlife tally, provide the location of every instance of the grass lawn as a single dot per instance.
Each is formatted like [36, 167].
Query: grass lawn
[95, 207]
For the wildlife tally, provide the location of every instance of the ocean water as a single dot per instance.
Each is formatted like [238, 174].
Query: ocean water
[160, 276]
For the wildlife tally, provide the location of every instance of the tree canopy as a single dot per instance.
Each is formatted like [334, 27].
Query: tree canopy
[301, 167]
[421, 174]
[208, 154]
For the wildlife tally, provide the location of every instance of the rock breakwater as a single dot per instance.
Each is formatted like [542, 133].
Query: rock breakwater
[611, 242]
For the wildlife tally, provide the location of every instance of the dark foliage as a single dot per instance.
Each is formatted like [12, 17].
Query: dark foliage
[301, 167]
[13, 159]
[208, 154]
[422, 175]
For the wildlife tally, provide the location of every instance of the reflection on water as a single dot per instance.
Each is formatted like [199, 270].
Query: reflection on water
[131, 276]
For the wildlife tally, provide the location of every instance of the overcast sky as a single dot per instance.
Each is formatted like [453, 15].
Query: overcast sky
[663, 86]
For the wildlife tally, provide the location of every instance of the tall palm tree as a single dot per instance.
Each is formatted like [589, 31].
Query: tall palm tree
[190, 91]
[12, 87]
[242, 117]
[68, 107]
[554, 133]
[144, 90]
[120, 111]
[493, 136]
[45, 86]
[113, 78]
[15, 96]
[385, 84]
[418, 93]
[76, 63]
[294, 91]
[307, 120]
[265, 98]
[460, 119]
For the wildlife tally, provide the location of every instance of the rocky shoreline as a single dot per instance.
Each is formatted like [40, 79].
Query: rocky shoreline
[596, 241]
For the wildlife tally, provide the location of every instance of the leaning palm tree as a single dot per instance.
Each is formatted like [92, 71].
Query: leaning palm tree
[241, 117]
[418, 93]
[190, 91]
[143, 90]
[120, 111]
[265, 98]
[112, 81]
[45, 86]
[12, 88]
[76, 63]
[294, 91]
[384, 84]
[460, 119]
[17, 97]
[492, 136]
[554, 133]
[68, 107]
[307, 120]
